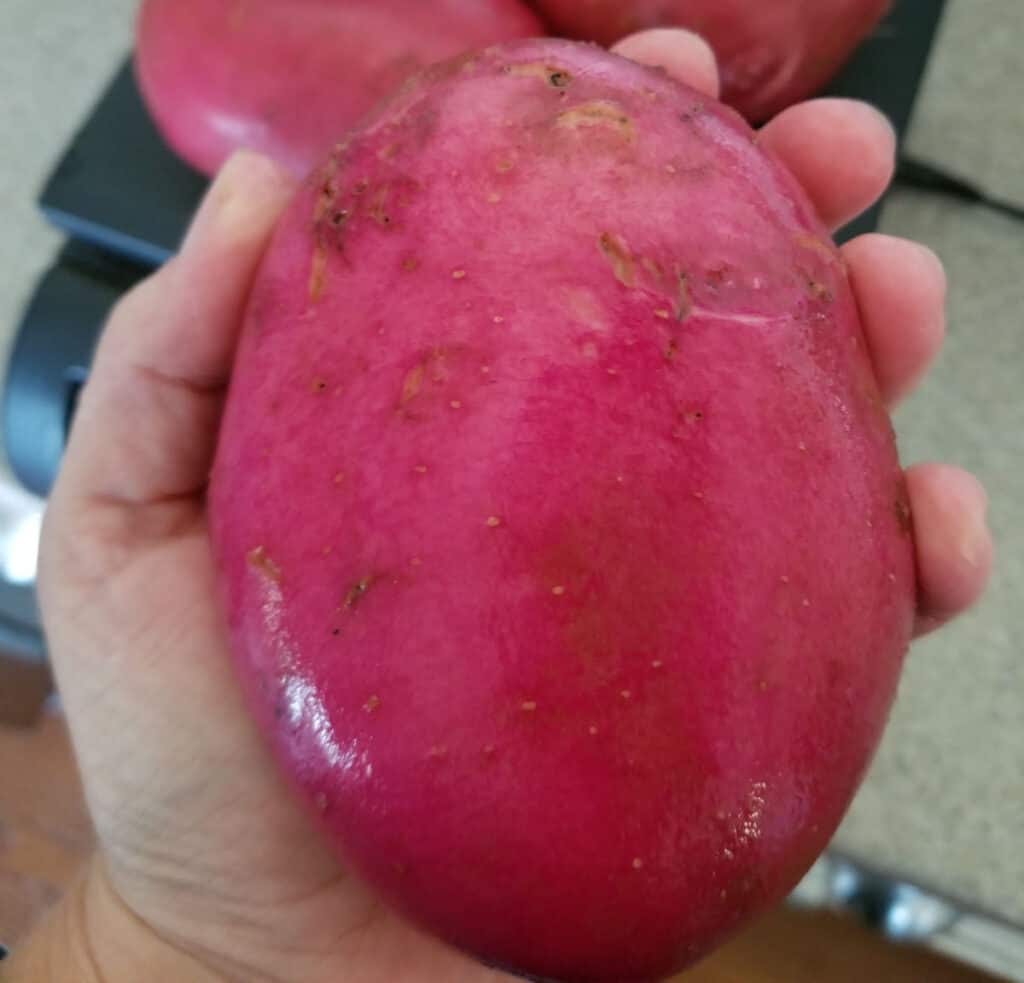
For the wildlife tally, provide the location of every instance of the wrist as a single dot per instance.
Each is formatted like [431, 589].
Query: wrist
[92, 936]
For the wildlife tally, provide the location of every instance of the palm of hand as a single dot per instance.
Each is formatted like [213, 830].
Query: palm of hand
[197, 826]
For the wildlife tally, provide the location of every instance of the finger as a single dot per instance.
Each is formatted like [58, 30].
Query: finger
[954, 546]
[901, 291]
[685, 56]
[146, 425]
[841, 150]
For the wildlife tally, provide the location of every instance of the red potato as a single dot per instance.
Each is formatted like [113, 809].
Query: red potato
[773, 53]
[566, 549]
[286, 77]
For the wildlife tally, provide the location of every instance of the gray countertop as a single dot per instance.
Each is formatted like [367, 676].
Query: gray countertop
[944, 803]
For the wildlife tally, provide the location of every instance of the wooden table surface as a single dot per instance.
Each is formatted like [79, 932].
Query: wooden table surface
[45, 834]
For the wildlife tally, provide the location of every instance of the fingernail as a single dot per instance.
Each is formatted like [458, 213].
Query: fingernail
[236, 203]
[976, 543]
[931, 257]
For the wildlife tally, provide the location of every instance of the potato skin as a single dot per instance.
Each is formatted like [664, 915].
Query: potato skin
[566, 549]
[772, 53]
[287, 77]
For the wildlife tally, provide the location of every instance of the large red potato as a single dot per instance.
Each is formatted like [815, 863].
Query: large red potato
[286, 77]
[772, 52]
[565, 544]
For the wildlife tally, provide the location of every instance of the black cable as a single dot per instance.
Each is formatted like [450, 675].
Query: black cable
[918, 174]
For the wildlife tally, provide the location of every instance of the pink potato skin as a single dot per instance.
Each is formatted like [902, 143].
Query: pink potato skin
[286, 77]
[772, 53]
[565, 544]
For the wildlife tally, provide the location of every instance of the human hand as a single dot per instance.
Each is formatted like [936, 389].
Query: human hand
[207, 868]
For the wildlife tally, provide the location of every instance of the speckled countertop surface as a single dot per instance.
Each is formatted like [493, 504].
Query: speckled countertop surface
[944, 803]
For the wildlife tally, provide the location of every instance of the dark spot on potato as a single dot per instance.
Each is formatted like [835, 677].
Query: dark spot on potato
[260, 561]
[819, 291]
[317, 271]
[360, 186]
[339, 217]
[335, 631]
[901, 511]
[684, 301]
[616, 251]
[372, 705]
[358, 591]
[318, 385]
[671, 350]
[557, 78]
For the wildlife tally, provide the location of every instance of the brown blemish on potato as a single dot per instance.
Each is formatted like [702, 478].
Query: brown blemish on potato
[459, 275]
[239, 12]
[493, 521]
[317, 271]
[901, 511]
[671, 350]
[410, 265]
[558, 590]
[378, 208]
[692, 112]
[815, 244]
[504, 166]
[616, 251]
[328, 194]
[557, 78]
[412, 384]
[684, 300]
[260, 561]
[600, 112]
[318, 385]
[358, 591]
[372, 705]
[819, 291]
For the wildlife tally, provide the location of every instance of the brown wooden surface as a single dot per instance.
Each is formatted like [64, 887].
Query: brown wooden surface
[45, 834]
